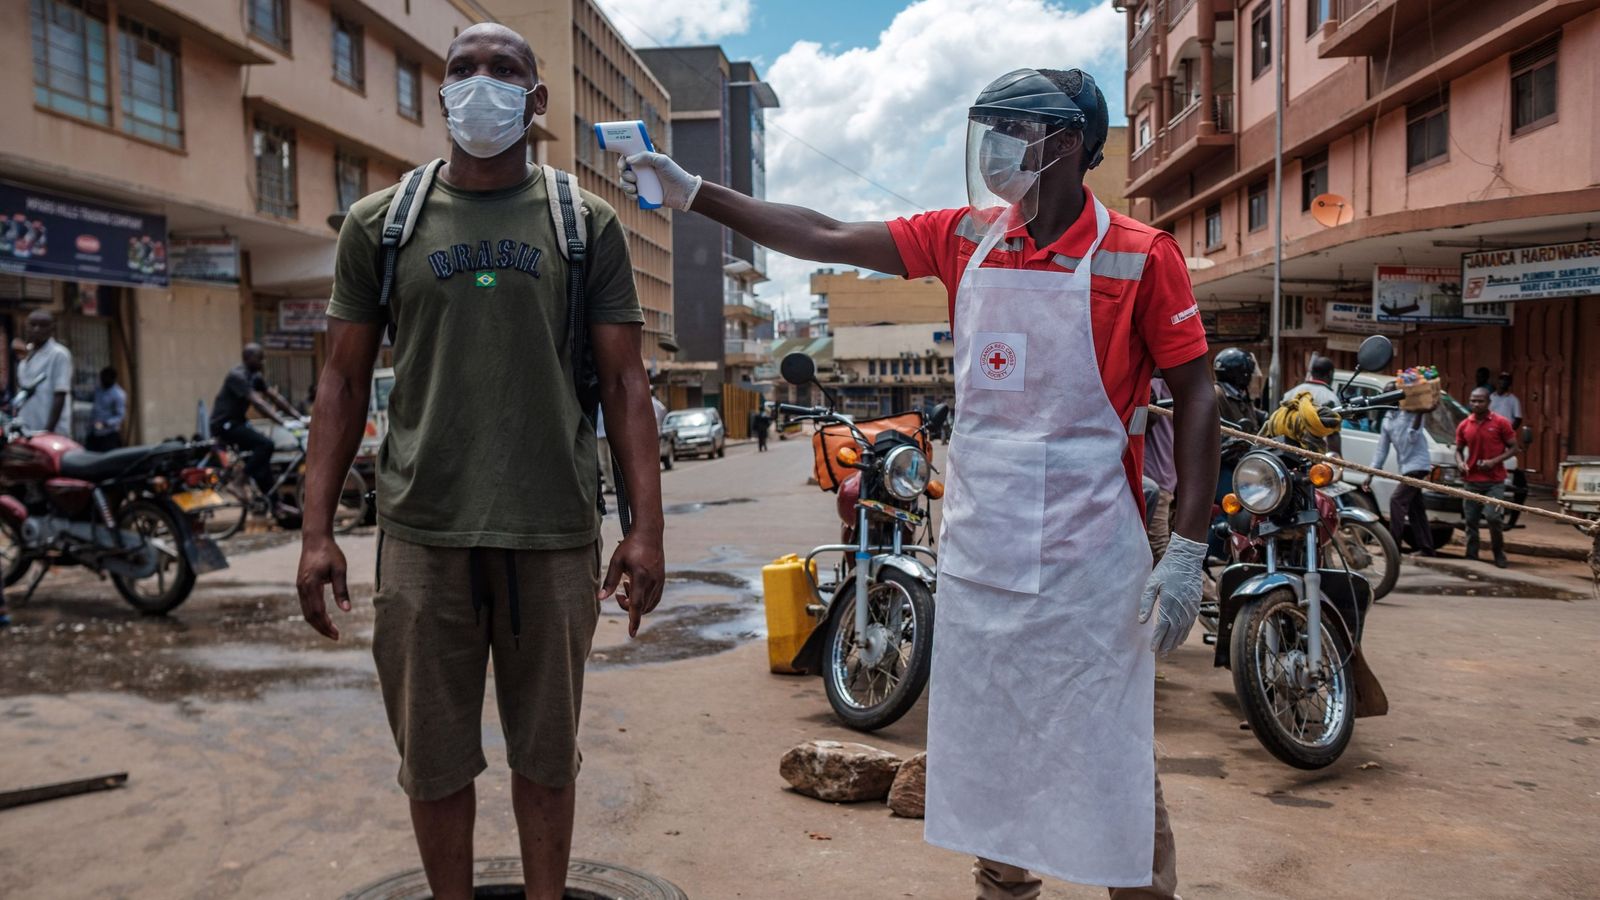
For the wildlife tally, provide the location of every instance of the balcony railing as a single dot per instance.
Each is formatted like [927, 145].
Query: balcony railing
[1345, 10]
[744, 347]
[1186, 124]
[1176, 9]
[1142, 161]
[1139, 48]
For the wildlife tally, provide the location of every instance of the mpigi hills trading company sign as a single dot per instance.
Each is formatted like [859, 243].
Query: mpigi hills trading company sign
[1531, 273]
[52, 236]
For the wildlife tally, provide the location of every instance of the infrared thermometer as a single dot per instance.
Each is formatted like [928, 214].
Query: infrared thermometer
[628, 138]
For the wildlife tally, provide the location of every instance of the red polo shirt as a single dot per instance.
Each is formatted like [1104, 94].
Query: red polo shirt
[1485, 440]
[1141, 302]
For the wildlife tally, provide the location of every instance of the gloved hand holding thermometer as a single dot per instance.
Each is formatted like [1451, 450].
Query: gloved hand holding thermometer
[631, 140]
[677, 187]
[1173, 593]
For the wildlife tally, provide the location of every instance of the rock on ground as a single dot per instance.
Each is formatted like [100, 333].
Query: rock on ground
[910, 785]
[839, 772]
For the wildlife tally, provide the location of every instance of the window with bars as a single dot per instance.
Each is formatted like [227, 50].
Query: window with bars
[269, 21]
[408, 88]
[349, 66]
[148, 63]
[275, 170]
[1313, 179]
[1213, 226]
[69, 58]
[1428, 131]
[1261, 40]
[1533, 85]
[1256, 200]
[349, 179]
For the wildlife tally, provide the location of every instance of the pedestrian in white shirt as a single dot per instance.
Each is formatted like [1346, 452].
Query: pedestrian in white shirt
[1406, 431]
[47, 374]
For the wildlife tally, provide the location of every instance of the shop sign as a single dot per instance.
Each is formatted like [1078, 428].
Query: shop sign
[1349, 317]
[302, 315]
[51, 236]
[214, 260]
[1428, 294]
[1532, 273]
[1242, 324]
[289, 340]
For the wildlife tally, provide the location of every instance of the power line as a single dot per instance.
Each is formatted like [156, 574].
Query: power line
[802, 141]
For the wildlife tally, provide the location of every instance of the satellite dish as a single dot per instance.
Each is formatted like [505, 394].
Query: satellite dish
[1331, 209]
[1197, 263]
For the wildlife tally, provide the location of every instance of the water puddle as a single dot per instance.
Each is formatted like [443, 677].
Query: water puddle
[1493, 587]
[678, 509]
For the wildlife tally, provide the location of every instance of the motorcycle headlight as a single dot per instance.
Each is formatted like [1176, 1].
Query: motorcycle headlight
[906, 473]
[1261, 482]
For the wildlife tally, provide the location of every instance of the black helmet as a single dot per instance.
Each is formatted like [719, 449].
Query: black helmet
[1234, 366]
[1027, 94]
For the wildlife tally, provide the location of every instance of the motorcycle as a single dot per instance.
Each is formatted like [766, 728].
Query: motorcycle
[874, 643]
[132, 514]
[1364, 543]
[1285, 623]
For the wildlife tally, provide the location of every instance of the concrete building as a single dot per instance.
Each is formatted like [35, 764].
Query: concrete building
[718, 130]
[1109, 180]
[891, 346]
[594, 76]
[1462, 143]
[168, 169]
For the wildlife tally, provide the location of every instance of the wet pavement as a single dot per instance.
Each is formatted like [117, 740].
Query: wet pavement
[261, 764]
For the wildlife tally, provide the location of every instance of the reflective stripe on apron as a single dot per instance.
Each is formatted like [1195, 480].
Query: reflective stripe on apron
[1041, 707]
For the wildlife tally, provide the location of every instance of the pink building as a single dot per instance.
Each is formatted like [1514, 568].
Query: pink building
[1474, 127]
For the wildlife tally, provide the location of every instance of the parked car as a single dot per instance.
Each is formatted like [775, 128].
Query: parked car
[1359, 442]
[696, 432]
[664, 440]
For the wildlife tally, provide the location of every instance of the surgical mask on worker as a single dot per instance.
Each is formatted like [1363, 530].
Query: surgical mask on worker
[484, 114]
[1004, 162]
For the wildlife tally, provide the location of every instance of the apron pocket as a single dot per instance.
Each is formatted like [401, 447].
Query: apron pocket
[994, 512]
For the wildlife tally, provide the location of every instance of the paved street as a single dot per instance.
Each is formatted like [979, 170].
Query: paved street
[261, 766]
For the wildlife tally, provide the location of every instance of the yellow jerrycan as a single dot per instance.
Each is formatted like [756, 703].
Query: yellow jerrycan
[787, 593]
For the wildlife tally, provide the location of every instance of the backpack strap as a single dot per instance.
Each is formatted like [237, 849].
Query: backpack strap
[398, 224]
[569, 215]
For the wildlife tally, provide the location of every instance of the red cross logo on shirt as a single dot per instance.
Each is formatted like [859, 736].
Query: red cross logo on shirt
[999, 361]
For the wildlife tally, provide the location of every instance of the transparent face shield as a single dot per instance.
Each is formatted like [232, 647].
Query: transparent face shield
[1004, 160]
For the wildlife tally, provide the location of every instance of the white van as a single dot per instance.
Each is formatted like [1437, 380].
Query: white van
[1359, 442]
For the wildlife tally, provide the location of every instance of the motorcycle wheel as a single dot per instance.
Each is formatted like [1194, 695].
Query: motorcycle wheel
[1306, 729]
[164, 591]
[1383, 555]
[352, 508]
[870, 697]
[14, 564]
[225, 521]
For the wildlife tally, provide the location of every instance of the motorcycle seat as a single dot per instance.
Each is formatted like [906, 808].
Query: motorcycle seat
[100, 466]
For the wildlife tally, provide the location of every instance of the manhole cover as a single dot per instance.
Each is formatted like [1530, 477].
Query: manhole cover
[501, 876]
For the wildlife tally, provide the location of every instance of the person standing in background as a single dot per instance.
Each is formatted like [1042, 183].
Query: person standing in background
[1159, 466]
[1504, 403]
[110, 410]
[760, 422]
[1404, 431]
[1484, 441]
[47, 375]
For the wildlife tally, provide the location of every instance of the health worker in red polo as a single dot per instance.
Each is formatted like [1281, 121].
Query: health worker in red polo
[1041, 705]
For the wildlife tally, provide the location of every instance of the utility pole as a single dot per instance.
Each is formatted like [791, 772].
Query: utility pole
[1275, 370]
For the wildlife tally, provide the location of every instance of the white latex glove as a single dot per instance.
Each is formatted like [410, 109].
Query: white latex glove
[677, 186]
[1175, 587]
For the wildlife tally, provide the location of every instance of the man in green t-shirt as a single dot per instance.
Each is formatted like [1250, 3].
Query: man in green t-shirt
[489, 531]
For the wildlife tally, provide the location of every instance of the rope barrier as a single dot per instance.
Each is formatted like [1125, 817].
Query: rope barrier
[1587, 526]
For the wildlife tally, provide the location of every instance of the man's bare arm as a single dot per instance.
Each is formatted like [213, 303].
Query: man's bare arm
[631, 431]
[800, 232]
[340, 416]
[1195, 443]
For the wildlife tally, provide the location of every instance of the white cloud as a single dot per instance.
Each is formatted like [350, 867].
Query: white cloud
[897, 111]
[650, 23]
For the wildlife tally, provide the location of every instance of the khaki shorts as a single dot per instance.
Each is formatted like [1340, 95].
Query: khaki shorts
[432, 649]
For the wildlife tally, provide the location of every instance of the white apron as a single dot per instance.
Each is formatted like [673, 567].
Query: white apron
[1041, 706]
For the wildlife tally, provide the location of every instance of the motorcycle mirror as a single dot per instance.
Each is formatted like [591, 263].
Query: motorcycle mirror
[798, 369]
[1375, 354]
[937, 419]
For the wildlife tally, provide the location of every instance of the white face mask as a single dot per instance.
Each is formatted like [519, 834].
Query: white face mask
[484, 115]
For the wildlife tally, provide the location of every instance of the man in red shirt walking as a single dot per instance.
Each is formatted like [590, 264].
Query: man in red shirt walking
[1041, 704]
[1484, 441]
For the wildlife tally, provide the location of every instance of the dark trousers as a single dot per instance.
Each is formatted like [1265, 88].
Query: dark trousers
[257, 448]
[102, 443]
[761, 440]
[1408, 516]
[1472, 511]
[1519, 494]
